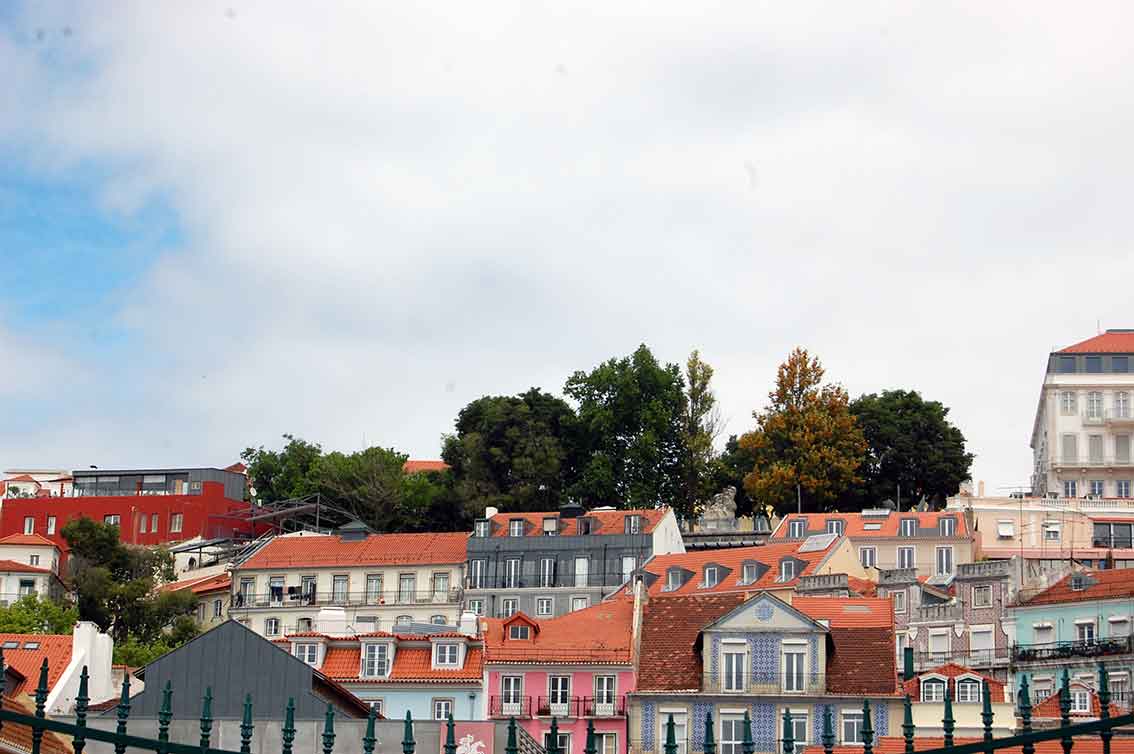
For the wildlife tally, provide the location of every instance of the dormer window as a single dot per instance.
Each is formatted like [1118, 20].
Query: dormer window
[947, 527]
[307, 652]
[712, 577]
[909, 527]
[550, 527]
[447, 655]
[584, 525]
[375, 660]
[748, 574]
[932, 690]
[480, 528]
[516, 527]
[519, 631]
[968, 691]
[797, 528]
[836, 526]
[673, 579]
[632, 525]
[787, 570]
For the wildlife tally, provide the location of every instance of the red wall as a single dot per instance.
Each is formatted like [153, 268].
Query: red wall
[202, 515]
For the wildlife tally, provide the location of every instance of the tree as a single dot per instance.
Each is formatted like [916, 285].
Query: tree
[136, 654]
[911, 443]
[729, 469]
[700, 423]
[371, 485]
[806, 440]
[629, 444]
[283, 474]
[32, 615]
[115, 583]
[511, 452]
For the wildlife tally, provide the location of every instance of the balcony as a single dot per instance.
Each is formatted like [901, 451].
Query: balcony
[1119, 417]
[1091, 462]
[298, 598]
[513, 706]
[535, 582]
[973, 658]
[766, 683]
[558, 706]
[1066, 650]
[604, 706]
[949, 611]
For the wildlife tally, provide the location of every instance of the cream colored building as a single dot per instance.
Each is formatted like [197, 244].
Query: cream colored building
[381, 580]
[29, 564]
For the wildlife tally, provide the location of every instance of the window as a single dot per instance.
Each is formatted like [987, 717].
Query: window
[632, 525]
[1122, 405]
[793, 669]
[476, 607]
[906, 557]
[932, 690]
[304, 624]
[732, 734]
[437, 620]
[142, 521]
[748, 573]
[403, 620]
[271, 627]
[606, 743]
[1066, 364]
[981, 646]
[407, 588]
[733, 668]
[1120, 364]
[798, 729]
[944, 561]
[51, 525]
[947, 527]
[516, 527]
[1043, 633]
[511, 573]
[374, 660]
[175, 521]
[547, 572]
[447, 655]
[153, 523]
[868, 556]
[899, 600]
[852, 727]
[582, 566]
[480, 528]
[1094, 364]
[1094, 405]
[787, 570]
[476, 574]
[680, 729]
[244, 596]
[112, 519]
[1067, 403]
[982, 595]
[373, 588]
[1080, 700]
[1070, 448]
[672, 580]
[440, 587]
[276, 590]
[1095, 487]
[908, 527]
[29, 524]
[563, 742]
[508, 608]
[442, 709]
[1120, 626]
[550, 527]
[711, 577]
[1070, 488]
[629, 563]
[797, 528]
[1052, 531]
[1042, 688]
[1094, 448]
[968, 691]
[543, 606]
[512, 691]
[33, 560]
[579, 603]
[559, 693]
[519, 631]
[339, 586]
[1085, 632]
[940, 645]
[218, 608]
[1121, 450]
[308, 653]
[1120, 688]
[836, 526]
[604, 689]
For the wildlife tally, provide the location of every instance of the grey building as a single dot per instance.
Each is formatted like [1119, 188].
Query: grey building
[548, 564]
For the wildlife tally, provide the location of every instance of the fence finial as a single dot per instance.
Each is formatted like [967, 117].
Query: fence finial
[710, 740]
[789, 740]
[450, 736]
[1104, 707]
[1024, 703]
[948, 723]
[867, 729]
[246, 726]
[408, 744]
[368, 739]
[1067, 742]
[329, 730]
[123, 712]
[511, 747]
[828, 737]
[589, 748]
[553, 736]
[287, 733]
[986, 712]
[670, 736]
[747, 745]
[82, 699]
[206, 717]
[41, 692]
[165, 714]
[907, 724]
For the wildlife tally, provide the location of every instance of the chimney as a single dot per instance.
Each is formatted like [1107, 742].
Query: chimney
[980, 488]
[907, 664]
[468, 624]
[95, 651]
[332, 622]
[571, 509]
[489, 512]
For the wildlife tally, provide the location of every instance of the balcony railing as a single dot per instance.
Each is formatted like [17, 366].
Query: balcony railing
[974, 658]
[247, 600]
[504, 707]
[558, 706]
[765, 683]
[604, 706]
[1063, 650]
[561, 707]
[1092, 461]
[535, 582]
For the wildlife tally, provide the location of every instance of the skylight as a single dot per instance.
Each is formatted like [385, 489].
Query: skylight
[818, 542]
[872, 527]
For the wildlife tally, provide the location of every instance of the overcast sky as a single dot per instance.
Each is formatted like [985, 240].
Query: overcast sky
[220, 222]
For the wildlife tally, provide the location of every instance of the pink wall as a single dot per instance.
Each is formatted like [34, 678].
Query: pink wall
[582, 685]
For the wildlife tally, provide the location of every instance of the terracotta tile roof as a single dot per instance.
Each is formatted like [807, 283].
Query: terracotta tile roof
[897, 745]
[21, 478]
[951, 670]
[1048, 709]
[599, 634]
[56, 648]
[855, 523]
[864, 587]
[27, 540]
[1100, 585]
[602, 522]
[862, 661]
[413, 466]
[1111, 341]
[411, 664]
[12, 566]
[201, 584]
[321, 550]
[734, 559]
[671, 627]
[19, 736]
[848, 612]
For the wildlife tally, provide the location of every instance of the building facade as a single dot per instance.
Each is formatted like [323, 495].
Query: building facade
[577, 668]
[1084, 420]
[29, 564]
[549, 564]
[382, 581]
[965, 688]
[212, 596]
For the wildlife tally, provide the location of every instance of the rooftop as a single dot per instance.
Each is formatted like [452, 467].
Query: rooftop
[1087, 585]
[412, 663]
[25, 653]
[883, 524]
[27, 540]
[601, 521]
[950, 671]
[733, 560]
[328, 550]
[201, 584]
[415, 466]
[600, 634]
[671, 628]
[1111, 341]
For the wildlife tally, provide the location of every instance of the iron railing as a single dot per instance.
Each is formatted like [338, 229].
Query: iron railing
[247, 600]
[580, 706]
[519, 707]
[1063, 650]
[765, 683]
[969, 658]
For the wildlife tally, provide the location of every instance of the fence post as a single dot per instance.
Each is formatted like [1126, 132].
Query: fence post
[948, 723]
[408, 744]
[710, 740]
[867, 729]
[590, 747]
[747, 746]
[789, 740]
[123, 713]
[450, 736]
[828, 737]
[986, 714]
[41, 692]
[368, 739]
[1024, 702]
[1104, 707]
[287, 733]
[329, 730]
[82, 699]
[165, 714]
[1065, 711]
[206, 718]
[246, 726]
[907, 724]
[553, 737]
[510, 747]
[670, 736]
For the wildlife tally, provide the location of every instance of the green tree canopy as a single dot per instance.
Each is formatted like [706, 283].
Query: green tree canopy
[806, 439]
[629, 446]
[700, 423]
[729, 469]
[511, 452]
[282, 474]
[32, 615]
[912, 443]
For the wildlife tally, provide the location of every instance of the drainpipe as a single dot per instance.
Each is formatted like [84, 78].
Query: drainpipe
[907, 664]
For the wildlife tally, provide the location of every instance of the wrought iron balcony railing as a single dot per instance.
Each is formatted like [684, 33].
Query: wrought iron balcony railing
[298, 598]
[1063, 650]
[519, 707]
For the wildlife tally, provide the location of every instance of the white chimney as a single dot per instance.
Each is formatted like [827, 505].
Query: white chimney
[95, 651]
[332, 622]
[468, 624]
[489, 512]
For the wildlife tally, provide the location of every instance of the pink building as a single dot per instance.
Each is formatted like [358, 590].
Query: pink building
[576, 668]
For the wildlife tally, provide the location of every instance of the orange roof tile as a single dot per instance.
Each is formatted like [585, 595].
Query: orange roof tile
[951, 670]
[596, 634]
[411, 664]
[671, 627]
[855, 523]
[733, 559]
[19, 737]
[897, 745]
[13, 566]
[864, 587]
[56, 648]
[1099, 585]
[602, 522]
[1049, 709]
[414, 466]
[27, 540]
[21, 478]
[201, 584]
[326, 551]
[1111, 341]
[848, 612]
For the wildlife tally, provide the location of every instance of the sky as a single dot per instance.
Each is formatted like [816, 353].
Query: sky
[225, 221]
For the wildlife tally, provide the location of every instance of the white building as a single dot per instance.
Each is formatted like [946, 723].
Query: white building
[36, 483]
[1084, 421]
[29, 564]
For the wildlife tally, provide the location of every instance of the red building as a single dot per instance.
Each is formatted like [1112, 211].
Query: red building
[150, 506]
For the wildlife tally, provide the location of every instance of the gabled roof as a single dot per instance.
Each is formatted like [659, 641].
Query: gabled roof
[855, 523]
[415, 466]
[734, 559]
[27, 540]
[848, 612]
[1049, 709]
[602, 522]
[950, 671]
[326, 551]
[1097, 585]
[1111, 341]
[863, 587]
[412, 664]
[22, 478]
[55, 648]
[671, 627]
[201, 585]
[14, 566]
[596, 635]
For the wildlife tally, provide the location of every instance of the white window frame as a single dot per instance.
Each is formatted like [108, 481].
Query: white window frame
[29, 524]
[1080, 701]
[307, 652]
[936, 682]
[1081, 627]
[899, 600]
[582, 571]
[862, 551]
[797, 528]
[577, 599]
[442, 708]
[176, 521]
[907, 527]
[672, 580]
[271, 627]
[745, 576]
[680, 727]
[378, 665]
[797, 676]
[541, 602]
[731, 734]
[967, 683]
[937, 552]
[800, 719]
[515, 633]
[855, 717]
[985, 589]
[947, 526]
[711, 578]
[733, 653]
[547, 572]
[516, 527]
[836, 526]
[787, 570]
[447, 655]
[913, 556]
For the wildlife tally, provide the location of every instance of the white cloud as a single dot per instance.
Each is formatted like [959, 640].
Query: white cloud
[392, 210]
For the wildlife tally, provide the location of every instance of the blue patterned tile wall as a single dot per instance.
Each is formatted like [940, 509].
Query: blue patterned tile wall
[813, 658]
[648, 737]
[881, 714]
[765, 651]
[817, 721]
[714, 659]
[764, 726]
[700, 714]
